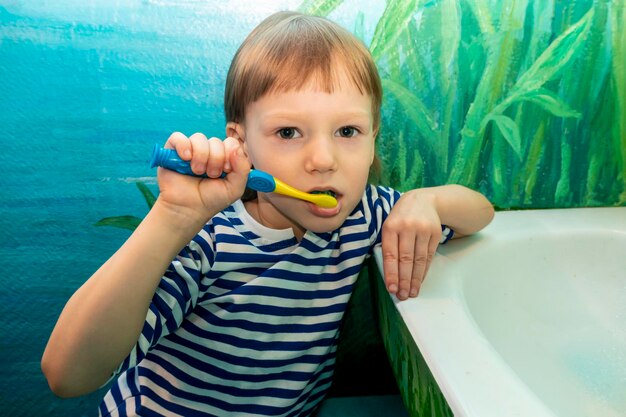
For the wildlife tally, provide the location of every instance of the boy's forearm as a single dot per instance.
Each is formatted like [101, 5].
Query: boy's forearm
[103, 320]
[462, 209]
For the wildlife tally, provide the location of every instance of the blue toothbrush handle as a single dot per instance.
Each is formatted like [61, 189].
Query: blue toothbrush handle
[261, 181]
[169, 159]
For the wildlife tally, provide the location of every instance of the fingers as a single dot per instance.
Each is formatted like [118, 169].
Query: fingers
[206, 156]
[216, 158]
[181, 143]
[200, 154]
[407, 254]
[231, 146]
[406, 264]
[238, 165]
[423, 255]
[432, 248]
[390, 260]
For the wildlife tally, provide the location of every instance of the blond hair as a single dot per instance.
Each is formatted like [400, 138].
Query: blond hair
[288, 50]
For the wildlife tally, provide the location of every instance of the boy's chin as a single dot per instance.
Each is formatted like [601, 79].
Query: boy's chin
[327, 226]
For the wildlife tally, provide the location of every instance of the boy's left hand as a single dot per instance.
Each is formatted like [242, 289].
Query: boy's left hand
[410, 236]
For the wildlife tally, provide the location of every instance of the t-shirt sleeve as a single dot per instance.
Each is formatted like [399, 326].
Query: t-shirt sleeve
[179, 290]
[377, 205]
[446, 234]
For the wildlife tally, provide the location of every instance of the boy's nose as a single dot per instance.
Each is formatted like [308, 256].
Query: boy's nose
[321, 154]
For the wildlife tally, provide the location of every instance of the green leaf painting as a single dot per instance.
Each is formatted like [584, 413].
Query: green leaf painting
[419, 390]
[524, 100]
[510, 131]
[129, 222]
[123, 222]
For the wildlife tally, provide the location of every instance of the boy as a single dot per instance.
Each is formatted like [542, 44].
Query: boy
[245, 319]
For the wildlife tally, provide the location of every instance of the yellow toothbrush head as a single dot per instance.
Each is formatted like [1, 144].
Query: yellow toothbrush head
[321, 200]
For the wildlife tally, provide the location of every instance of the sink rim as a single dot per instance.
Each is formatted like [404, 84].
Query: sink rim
[475, 379]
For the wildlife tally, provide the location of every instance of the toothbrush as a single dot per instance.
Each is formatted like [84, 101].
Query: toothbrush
[257, 180]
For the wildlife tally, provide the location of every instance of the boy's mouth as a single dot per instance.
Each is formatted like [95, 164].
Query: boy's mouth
[327, 192]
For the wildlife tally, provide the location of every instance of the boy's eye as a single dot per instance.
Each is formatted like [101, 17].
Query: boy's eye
[347, 131]
[288, 133]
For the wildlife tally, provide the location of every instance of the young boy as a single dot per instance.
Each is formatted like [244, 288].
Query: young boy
[244, 320]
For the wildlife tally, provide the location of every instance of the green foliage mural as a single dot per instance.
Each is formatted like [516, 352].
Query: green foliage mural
[419, 390]
[524, 100]
[130, 222]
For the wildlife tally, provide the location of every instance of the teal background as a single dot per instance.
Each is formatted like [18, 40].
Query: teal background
[524, 100]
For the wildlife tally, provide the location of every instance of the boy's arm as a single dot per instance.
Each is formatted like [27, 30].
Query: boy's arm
[412, 232]
[102, 321]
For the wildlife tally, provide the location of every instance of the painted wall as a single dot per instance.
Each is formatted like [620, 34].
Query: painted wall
[524, 100]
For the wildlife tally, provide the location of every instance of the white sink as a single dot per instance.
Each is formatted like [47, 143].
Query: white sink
[528, 317]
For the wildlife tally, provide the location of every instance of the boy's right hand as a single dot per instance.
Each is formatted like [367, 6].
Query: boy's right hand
[202, 198]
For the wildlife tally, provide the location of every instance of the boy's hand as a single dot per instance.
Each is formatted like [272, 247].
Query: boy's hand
[201, 198]
[410, 236]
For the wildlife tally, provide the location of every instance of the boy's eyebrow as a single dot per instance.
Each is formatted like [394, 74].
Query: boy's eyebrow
[297, 114]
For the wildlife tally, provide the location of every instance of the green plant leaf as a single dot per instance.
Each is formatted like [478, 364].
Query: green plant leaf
[413, 107]
[147, 194]
[392, 23]
[319, 7]
[359, 26]
[555, 58]
[618, 42]
[551, 103]
[482, 12]
[510, 131]
[122, 222]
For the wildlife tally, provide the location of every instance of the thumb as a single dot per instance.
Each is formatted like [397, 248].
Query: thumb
[240, 165]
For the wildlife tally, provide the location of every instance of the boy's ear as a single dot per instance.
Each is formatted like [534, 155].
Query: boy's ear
[373, 159]
[235, 130]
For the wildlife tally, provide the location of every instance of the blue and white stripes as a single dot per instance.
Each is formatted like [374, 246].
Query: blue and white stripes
[446, 234]
[246, 319]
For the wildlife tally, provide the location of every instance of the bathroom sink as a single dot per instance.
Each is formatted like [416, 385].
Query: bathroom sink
[526, 318]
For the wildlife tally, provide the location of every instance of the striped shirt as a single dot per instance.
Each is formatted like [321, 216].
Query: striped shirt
[245, 320]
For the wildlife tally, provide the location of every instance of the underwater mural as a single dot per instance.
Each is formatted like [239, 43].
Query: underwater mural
[524, 100]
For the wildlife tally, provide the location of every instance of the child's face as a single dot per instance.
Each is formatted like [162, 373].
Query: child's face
[311, 140]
